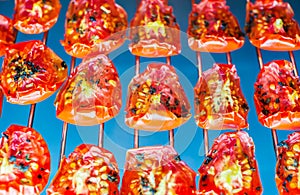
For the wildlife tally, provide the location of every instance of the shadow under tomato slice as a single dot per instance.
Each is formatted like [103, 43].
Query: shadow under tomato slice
[219, 101]
[287, 168]
[94, 23]
[88, 170]
[156, 100]
[270, 25]
[35, 16]
[213, 28]
[157, 170]
[31, 72]
[154, 31]
[276, 96]
[24, 161]
[92, 93]
[7, 33]
[230, 166]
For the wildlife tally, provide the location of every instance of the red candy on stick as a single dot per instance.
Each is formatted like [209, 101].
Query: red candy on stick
[92, 94]
[31, 72]
[154, 31]
[156, 100]
[219, 101]
[270, 25]
[25, 161]
[35, 16]
[213, 28]
[230, 166]
[94, 23]
[157, 170]
[88, 170]
[287, 167]
[276, 96]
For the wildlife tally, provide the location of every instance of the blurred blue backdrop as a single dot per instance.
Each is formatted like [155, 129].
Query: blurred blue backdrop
[188, 138]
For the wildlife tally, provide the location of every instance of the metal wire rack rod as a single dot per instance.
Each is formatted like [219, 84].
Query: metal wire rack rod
[171, 132]
[228, 57]
[274, 133]
[137, 72]
[292, 58]
[65, 124]
[33, 106]
[101, 135]
[205, 131]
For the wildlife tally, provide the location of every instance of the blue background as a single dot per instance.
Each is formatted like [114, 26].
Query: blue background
[188, 138]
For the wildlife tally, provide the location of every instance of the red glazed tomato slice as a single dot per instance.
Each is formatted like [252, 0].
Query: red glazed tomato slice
[154, 31]
[230, 166]
[287, 167]
[276, 96]
[213, 28]
[31, 72]
[24, 161]
[156, 100]
[94, 23]
[35, 16]
[92, 94]
[219, 101]
[270, 25]
[89, 170]
[7, 33]
[158, 171]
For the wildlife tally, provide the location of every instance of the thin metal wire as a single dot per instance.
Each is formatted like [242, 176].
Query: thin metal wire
[65, 125]
[228, 57]
[274, 133]
[33, 106]
[205, 131]
[171, 132]
[101, 135]
[137, 72]
[292, 58]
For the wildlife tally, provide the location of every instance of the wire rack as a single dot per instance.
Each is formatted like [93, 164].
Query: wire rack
[63, 138]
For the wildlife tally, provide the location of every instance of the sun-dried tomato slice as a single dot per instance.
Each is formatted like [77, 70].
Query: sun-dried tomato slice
[156, 100]
[31, 72]
[219, 101]
[276, 96]
[35, 16]
[287, 167]
[24, 161]
[94, 23]
[230, 166]
[157, 170]
[92, 94]
[270, 25]
[213, 28]
[7, 33]
[154, 31]
[88, 170]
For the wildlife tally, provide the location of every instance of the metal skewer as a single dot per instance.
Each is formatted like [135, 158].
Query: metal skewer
[65, 125]
[137, 72]
[33, 106]
[274, 133]
[171, 132]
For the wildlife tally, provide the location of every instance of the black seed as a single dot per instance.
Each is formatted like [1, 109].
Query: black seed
[289, 178]
[277, 100]
[223, 25]
[28, 140]
[259, 86]
[112, 178]
[268, 100]
[167, 19]
[42, 169]
[39, 176]
[152, 90]
[144, 182]
[281, 84]
[265, 112]
[92, 19]
[204, 177]
[245, 106]
[64, 65]
[133, 110]
[207, 160]
[258, 188]
[206, 23]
